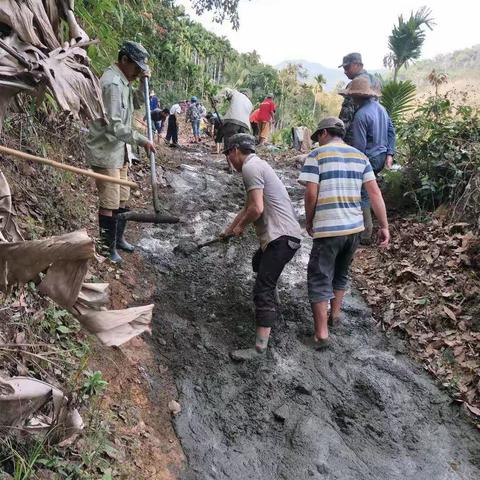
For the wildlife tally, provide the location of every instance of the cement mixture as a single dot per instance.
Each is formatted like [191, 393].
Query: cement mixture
[360, 410]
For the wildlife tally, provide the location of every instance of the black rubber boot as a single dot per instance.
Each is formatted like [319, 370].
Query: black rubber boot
[122, 244]
[108, 236]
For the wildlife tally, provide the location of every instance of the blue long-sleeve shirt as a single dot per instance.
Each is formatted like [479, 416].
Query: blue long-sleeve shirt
[373, 130]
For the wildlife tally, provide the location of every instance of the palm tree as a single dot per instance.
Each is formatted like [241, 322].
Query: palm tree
[407, 38]
[320, 81]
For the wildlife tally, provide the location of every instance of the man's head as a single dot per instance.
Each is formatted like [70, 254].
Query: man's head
[270, 95]
[328, 129]
[194, 99]
[352, 65]
[360, 89]
[238, 148]
[132, 60]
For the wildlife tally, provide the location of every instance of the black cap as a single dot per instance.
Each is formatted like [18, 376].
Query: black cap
[240, 140]
[135, 52]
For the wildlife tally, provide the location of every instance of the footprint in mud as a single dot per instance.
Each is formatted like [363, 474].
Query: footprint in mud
[368, 393]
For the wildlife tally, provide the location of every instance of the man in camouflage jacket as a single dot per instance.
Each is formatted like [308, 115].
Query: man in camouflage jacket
[353, 67]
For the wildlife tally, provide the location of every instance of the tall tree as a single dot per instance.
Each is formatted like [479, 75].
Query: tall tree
[407, 38]
[320, 81]
[222, 9]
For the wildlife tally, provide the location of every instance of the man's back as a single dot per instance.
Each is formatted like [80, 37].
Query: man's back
[372, 130]
[239, 109]
[340, 171]
[278, 217]
[266, 110]
[347, 112]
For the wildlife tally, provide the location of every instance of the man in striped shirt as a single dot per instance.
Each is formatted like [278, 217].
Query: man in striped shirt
[333, 175]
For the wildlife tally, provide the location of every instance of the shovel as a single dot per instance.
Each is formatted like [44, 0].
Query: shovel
[213, 241]
[189, 247]
[156, 216]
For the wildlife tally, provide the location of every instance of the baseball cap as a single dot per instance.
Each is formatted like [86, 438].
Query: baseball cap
[240, 140]
[327, 122]
[135, 52]
[354, 57]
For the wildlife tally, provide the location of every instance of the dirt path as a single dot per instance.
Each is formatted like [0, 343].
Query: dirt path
[361, 410]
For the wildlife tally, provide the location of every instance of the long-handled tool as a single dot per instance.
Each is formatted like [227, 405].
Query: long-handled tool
[187, 247]
[157, 216]
[62, 166]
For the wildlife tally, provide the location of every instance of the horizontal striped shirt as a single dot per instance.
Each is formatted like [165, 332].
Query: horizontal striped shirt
[340, 170]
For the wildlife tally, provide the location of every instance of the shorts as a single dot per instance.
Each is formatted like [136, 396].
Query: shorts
[110, 195]
[329, 265]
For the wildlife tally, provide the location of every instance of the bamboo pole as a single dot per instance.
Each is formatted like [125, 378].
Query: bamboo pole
[69, 168]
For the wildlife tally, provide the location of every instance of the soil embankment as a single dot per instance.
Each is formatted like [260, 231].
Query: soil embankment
[360, 410]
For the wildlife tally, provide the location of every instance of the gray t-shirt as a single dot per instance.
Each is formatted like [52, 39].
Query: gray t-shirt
[278, 217]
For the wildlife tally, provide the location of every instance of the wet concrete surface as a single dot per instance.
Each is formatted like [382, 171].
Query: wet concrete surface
[359, 410]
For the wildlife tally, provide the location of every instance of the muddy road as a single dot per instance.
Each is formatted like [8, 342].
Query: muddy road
[358, 411]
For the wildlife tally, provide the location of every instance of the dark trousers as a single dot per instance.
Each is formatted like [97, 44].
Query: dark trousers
[268, 266]
[172, 129]
[230, 129]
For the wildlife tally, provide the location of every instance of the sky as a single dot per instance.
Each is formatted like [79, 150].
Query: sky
[316, 31]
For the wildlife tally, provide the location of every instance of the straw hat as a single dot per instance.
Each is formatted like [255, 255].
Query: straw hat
[360, 87]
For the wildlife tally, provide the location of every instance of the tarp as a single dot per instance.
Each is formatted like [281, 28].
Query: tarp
[29, 405]
[63, 262]
[61, 67]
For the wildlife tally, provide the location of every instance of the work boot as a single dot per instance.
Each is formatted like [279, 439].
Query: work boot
[108, 236]
[366, 235]
[122, 244]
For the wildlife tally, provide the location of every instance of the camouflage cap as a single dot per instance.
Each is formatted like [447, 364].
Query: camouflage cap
[240, 140]
[135, 52]
[328, 122]
[354, 57]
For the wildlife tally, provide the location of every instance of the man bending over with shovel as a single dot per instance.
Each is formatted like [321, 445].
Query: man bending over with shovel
[269, 208]
[108, 143]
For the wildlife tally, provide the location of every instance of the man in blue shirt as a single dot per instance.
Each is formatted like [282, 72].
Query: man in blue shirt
[373, 134]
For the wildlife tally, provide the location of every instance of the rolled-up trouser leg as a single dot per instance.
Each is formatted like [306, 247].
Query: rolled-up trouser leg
[271, 263]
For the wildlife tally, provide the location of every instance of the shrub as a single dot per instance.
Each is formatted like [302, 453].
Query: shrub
[440, 146]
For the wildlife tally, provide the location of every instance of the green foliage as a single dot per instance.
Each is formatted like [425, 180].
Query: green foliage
[441, 149]
[94, 384]
[221, 8]
[407, 38]
[282, 137]
[397, 98]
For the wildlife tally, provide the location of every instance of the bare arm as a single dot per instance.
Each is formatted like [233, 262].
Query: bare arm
[380, 211]
[311, 196]
[250, 212]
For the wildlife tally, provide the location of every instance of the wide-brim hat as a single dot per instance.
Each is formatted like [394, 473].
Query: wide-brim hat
[360, 87]
[328, 122]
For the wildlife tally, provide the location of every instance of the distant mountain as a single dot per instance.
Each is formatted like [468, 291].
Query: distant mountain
[459, 65]
[332, 75]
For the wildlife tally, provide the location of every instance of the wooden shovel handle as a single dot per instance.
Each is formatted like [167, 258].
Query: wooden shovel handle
[62, 166]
